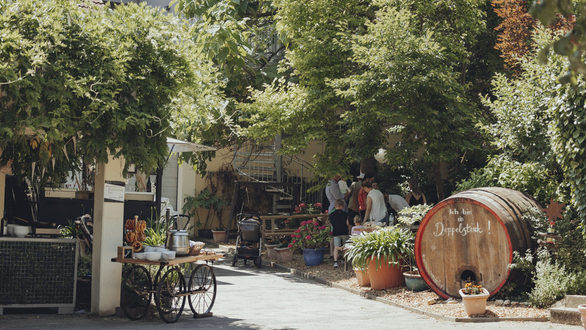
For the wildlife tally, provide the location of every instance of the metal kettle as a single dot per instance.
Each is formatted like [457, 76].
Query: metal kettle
[178, 241]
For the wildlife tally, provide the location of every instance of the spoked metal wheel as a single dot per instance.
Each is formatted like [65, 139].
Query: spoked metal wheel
[169, 297]
[136, 292]
[202, 286]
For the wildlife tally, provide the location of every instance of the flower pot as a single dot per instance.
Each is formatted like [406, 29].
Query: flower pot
[313, 257]
[582, 309]
[414, 281]
[271, 254]
[385, 276]
[475, 304]
[362, 277]
[219, 235]
[284, 254]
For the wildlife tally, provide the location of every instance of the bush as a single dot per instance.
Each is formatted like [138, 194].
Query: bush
[552, 281]
[531, 178]
[520, 281]
[393, 243]
[413, 215]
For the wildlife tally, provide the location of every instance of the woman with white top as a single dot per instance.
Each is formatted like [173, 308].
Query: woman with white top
[376, 210]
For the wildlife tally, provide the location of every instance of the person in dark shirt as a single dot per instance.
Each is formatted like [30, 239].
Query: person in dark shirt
[339, 221]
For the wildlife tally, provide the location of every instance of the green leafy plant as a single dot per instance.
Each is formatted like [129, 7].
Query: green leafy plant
[393, 243]
[310, 235]
[552, 280]
[413, 215]
[206, 200]
[154, 237]
[156, 232]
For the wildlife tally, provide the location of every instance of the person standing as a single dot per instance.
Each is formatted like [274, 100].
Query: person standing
[415, 196]
[362, 198]
[333, 193]
[352, 196]
[376, 210]
[339, 221]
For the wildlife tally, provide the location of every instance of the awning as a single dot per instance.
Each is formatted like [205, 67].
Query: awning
[175, 145]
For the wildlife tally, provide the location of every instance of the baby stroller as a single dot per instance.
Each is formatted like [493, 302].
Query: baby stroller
[249, 240]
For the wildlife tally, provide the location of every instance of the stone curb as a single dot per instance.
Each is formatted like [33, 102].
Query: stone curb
[369, 295]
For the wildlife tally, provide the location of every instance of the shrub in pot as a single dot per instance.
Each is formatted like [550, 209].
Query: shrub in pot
[312, 237]
[382, 253]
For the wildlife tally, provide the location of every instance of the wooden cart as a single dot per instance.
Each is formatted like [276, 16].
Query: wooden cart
[175, 281]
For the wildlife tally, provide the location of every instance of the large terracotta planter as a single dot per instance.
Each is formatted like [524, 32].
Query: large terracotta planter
[284, 254]
[475, 304]
[362, 277]
[582, 309]
[385, 276]
[219, 236]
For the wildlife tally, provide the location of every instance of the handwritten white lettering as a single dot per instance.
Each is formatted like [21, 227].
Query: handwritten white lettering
[462, 229]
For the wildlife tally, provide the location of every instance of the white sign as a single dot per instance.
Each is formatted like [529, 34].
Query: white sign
[114, 192]
[462, 229]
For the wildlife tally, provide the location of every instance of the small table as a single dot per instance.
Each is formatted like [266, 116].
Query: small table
[169, 288]
[269, 227]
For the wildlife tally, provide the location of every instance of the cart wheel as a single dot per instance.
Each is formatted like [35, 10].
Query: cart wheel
[234, 260]
[203, 282]
[136, 292]
[169, 303]
[258, 261]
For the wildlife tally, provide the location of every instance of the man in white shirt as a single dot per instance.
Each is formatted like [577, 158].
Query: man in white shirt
[376, 210]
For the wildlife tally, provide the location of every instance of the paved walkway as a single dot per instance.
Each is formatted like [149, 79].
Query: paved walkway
[249, 298]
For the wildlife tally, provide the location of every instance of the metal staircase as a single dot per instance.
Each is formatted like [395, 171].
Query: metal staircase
[282, 176]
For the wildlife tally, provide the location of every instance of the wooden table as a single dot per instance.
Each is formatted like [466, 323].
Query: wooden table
[170, 288]
[270, 223]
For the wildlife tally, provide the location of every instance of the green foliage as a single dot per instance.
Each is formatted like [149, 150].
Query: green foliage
[552, 281]
[520, 281]
[206, 200]
[393, 243]
[86, 82]
[414, 214]
[531, 178]
[155, 237]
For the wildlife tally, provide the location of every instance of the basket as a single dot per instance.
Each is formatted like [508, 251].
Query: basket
[196, 248]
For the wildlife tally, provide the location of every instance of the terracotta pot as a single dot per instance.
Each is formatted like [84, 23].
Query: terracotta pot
[284, 254]
[362, 277]
[271, 254]
[475, 304]
[385, 276]
[582, 309]
[219, 236]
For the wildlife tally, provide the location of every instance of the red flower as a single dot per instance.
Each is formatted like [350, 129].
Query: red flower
[322, 227]
[297, 230]
[297, 209]
[290, 245]
[293, 242]
[302, 205]
[308, 237]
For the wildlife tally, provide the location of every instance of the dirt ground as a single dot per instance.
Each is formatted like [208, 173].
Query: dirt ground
[427, 301]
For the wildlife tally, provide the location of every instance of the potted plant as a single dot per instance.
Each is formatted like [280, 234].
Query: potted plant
[312, 237]
[474, 297]
[413, 279]
[411, 217]
[382, 253]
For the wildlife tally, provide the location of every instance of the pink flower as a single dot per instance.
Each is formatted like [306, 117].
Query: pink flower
[317, 205]
[326, 212]
[322, 227]
[302, 205]
[303, 223]
[297, 236]
[290, 245]
[293, 242]
[297, 209]
[297, 231]
[308, 237]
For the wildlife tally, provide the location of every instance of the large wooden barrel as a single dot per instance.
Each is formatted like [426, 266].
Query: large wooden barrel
[472, 235]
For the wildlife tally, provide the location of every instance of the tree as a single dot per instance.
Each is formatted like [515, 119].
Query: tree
[79, 83]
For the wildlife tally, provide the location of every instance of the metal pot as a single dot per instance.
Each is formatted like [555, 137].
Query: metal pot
[178, 241]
